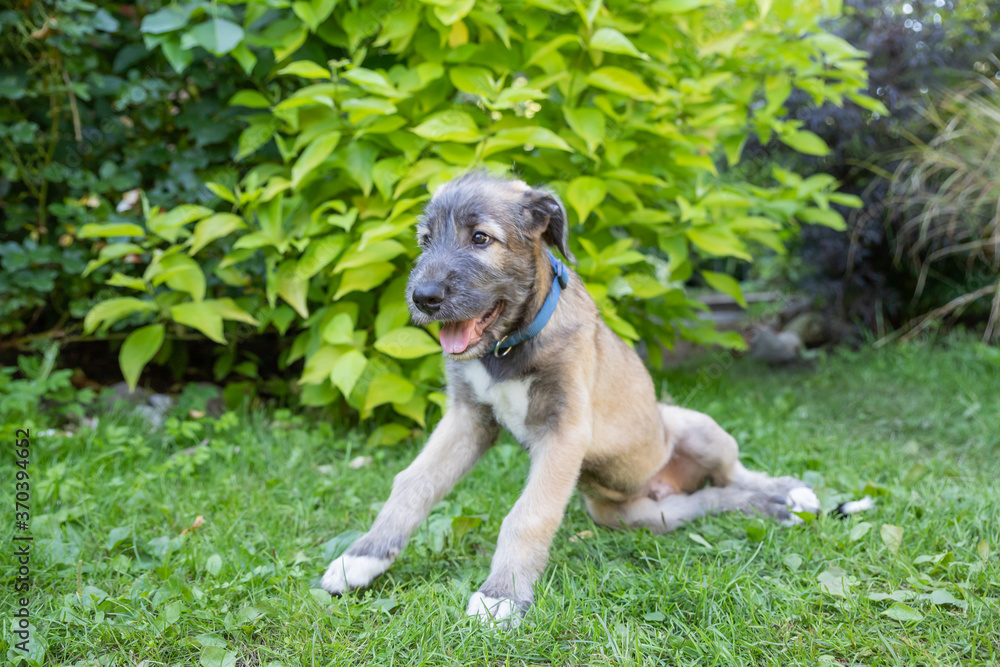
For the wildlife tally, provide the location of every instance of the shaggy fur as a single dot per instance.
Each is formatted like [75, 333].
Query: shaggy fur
[575, 396]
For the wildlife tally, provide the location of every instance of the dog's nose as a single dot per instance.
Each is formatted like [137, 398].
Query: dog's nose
[428, 297]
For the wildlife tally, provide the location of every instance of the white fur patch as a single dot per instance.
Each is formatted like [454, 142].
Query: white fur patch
[348, 572]
[491, 611]
[801, 499]
[509, 399]
[856, 506]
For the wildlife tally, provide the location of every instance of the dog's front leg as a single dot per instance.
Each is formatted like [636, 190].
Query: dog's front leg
[527, 531]
[462, 436]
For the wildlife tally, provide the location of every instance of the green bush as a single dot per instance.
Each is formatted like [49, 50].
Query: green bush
[631, 110]
[88, 117]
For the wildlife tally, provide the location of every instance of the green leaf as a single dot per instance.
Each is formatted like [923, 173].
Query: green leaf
[371, 81]
[315, 153]
[415, 409]
[823, 216]
[214, 227]
[175, 53]
[92, 230]
[589, 125]
[170, 225]
[339, 330]
[584, 194]
[202, 316]
[292, 287]
[245, 58]
[804, 142]
[834, 581]
[137, 350]
[725, 284]
[903, 612]
[610, 40]
[892, 536]
[249, 98]
[121, 280]
[315, 12]
[221, 191]
[364, 278]
[217, 36]
[449, 126]
[215, 656]
[717, 240]
[679, 6]
[359, 159]
[859, 531]
[387, 388]
[320, 365]
[620, 81]
[347, 370]
[474, 80]
[698, 539]
[228, 309]
[452, 12]
[529, 137]
[306, 69]
[377, 251]
[407, 343]
[320, 253]
[253, 137]
[179, 272]
[110, 311]
[168, 19]
[551, 47]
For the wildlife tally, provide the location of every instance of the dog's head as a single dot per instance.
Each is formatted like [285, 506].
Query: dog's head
[481, 241]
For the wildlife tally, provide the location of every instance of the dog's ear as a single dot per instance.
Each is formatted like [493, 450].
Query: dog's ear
[544, 211]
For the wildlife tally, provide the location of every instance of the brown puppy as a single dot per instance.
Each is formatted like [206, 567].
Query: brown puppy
[574, 395]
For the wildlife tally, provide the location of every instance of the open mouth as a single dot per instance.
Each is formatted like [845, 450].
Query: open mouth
[457, 337]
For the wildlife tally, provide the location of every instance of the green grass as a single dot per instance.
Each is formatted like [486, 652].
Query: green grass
[114, 582]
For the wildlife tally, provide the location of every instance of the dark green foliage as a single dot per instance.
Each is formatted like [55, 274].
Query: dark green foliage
[917, 51]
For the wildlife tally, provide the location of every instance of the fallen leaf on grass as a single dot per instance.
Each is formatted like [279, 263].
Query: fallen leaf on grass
[898, 596]
[892, 536]
[903, 612]
[384, 605]
[581, 536]
[860, 531]
[835, 581]
[792, 561]
[698, 539]
[198, 522]
[939, 597]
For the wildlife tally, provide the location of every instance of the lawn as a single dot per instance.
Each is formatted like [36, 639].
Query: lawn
[116, 580]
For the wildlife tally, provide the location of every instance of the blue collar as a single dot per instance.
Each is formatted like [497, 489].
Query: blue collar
[559, 282]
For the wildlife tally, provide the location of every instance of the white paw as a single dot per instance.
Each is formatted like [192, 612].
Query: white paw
[349, 572]
[491, 611]
[856, 506]
[801, 499]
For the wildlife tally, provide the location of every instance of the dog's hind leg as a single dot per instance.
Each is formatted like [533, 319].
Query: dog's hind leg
[672, 511]
[703, 452]
[460, 439]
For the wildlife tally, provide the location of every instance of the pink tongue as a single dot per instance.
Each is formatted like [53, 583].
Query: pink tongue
[455, 336]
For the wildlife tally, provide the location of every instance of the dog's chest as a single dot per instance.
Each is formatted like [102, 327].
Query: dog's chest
[509, 398]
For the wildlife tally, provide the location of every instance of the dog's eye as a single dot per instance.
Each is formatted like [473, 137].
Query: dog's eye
[480, 239]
